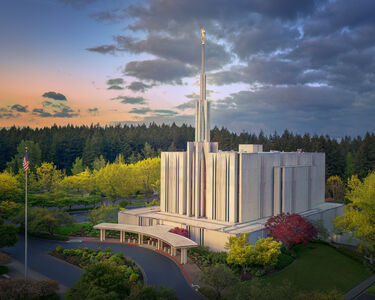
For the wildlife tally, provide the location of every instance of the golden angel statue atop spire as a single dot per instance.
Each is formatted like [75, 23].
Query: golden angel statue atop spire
[203, 35]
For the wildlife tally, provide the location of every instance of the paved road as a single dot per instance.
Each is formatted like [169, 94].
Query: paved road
[160, 270]
[81, 216]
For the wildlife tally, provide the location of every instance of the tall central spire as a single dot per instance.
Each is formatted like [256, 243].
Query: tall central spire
[202, 124]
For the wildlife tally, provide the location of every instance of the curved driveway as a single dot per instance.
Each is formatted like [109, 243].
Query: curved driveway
[160, 270]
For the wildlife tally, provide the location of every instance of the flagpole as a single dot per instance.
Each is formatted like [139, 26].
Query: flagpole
[26, 221]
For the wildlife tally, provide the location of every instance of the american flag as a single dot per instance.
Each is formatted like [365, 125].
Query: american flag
[25, 162]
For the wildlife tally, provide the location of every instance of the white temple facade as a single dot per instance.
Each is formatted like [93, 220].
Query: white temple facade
[215, 194]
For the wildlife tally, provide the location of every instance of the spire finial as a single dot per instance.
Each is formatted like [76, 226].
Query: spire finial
[203, 35]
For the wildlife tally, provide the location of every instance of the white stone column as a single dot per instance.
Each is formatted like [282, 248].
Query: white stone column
[102, 235]
[183, 256]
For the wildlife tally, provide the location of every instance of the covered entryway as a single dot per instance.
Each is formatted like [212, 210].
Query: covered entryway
[157, 236]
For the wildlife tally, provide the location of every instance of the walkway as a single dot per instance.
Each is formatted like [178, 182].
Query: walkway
[157, 236]
[159, 269]
[360, 288]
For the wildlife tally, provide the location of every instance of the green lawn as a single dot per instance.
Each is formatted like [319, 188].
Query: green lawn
[321, 268]
[65, 230]
[371, 290]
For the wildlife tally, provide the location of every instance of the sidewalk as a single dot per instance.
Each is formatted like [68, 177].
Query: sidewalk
[360, 288]
[17, 269]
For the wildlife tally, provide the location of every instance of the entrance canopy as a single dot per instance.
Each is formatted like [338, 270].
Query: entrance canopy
[160, 232]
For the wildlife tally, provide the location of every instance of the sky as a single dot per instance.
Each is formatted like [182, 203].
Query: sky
[301, 65]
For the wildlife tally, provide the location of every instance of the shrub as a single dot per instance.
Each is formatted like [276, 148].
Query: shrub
[152, 293]
[265, 252]
[283, 261]
[217, 257]
[209, 293]
[291, 229]
[100, 281]
[219, 277]
[124, 203]
[4, 258]
[59, 249]
[3, 270]
[28, 289]
[8, 234]
[133, 278]
[180, 231]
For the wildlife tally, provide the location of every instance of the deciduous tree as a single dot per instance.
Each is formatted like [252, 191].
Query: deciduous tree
[359, 214]
[48, 176]
[335, 188]
[219, 277]
[77, 166]
[291, 229]
[9, 187]
[8, 234]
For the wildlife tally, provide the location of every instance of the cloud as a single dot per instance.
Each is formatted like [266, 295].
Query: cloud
[104, 49]
[185, 49]
[19, 108]
[115, 81]
[113, 16]
[137, 86]
[54, 96]
[40, 112]
[187, 105]
[65, 113]
[130, 100]
[55, 111]
[159, 70]
[164, 112]
[115, 84]
[140, 111]
[78, 4]
[115, 87]
[307, 65]
[153, 112]
[93, 110]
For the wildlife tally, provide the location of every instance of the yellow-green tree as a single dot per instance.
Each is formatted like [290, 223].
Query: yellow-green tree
[9, 187]
[239, 250]
[148, 174]
[265, 252]
[359, 214]
[77, 166]
[48, 176]
[116, 180]
[82, 182]
[335, 188]
[9, 209]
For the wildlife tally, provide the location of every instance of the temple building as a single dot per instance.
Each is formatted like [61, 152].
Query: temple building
[215, 194]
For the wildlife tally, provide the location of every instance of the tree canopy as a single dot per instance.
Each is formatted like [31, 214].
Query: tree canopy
[359, 214]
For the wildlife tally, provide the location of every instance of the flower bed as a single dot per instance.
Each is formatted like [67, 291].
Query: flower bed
[180, 231]
[83, 257]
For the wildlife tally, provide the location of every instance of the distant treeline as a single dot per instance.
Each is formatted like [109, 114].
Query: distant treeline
[62, 145]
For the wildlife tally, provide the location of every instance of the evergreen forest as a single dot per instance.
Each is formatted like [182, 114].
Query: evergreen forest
[62, 145]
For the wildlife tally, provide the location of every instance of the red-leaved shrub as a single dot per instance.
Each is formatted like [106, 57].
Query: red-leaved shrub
[180, 231]
[291, 229]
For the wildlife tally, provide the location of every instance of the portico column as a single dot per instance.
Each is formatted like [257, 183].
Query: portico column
[102, 235]
[183, 256]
